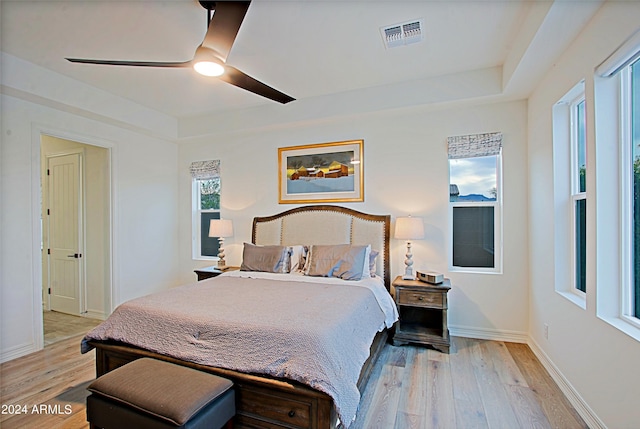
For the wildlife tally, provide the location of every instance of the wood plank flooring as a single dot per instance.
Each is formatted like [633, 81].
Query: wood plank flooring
[60, 326]
[481, 384]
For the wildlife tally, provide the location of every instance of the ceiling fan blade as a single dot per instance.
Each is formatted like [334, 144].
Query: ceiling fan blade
[224, 26]
[131, 63]
[237, 78]
[221, 33]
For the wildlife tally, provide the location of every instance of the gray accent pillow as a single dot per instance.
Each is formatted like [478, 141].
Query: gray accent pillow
[342, 260]
[270, 259]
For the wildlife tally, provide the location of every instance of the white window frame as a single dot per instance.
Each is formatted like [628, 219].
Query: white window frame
[497, 225]
[576, 195]
[626, 198]
[196, 221]
[613, 177]
[565, 164]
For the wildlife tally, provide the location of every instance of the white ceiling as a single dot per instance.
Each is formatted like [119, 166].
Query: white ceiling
[306, 49]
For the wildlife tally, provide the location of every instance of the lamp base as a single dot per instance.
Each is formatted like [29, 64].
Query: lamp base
[408, 269]
[221, 263]
[408, 274]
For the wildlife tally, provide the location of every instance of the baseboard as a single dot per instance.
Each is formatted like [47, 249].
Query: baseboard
[582, 408]
[92, 314]
[17, 351]
[489, 334]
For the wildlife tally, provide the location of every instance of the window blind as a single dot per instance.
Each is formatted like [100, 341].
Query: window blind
[474, 145]
[205, 169]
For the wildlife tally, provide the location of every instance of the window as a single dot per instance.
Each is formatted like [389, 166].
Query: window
[570, 194]
[579, 193]
[206, 206]
[635, 171]
[474, 195]
[617, 218]
[630, 148]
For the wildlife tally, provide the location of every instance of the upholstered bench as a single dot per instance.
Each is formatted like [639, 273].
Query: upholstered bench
[149, 393]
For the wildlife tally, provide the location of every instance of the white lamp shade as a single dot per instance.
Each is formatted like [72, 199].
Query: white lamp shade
[409, 228]
[220, 228]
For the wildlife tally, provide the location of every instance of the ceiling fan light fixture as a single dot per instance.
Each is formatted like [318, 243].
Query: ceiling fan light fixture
[207, 63]
[210, 57]
[208, 68]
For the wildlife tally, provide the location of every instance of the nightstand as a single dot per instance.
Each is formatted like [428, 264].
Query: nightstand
[213, 271]
[423, 313]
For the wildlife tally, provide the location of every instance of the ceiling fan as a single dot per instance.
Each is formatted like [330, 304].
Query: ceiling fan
[211, 56]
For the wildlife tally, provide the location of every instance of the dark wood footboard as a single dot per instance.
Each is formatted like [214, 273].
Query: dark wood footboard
[261, 401]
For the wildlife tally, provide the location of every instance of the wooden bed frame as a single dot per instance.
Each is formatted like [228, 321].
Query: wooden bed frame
[264, 401]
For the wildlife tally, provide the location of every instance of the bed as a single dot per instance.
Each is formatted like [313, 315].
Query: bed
[334, 329]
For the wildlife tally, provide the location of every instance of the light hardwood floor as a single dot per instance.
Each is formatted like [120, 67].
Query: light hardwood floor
[481, 384]
[60, 326]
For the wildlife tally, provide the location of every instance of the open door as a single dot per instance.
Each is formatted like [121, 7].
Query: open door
[65, 221]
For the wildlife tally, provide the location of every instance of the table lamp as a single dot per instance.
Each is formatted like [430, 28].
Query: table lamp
[221, 228]
[409, 228]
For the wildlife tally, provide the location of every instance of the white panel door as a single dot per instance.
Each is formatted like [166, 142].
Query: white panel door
[65, 226]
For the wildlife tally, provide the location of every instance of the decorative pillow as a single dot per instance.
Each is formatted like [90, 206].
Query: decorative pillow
[270, 259]
[372, 262]
[366, 272]
[342, 260]
[298, 257]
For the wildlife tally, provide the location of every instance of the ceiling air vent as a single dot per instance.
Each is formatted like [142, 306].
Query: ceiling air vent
[402, 34]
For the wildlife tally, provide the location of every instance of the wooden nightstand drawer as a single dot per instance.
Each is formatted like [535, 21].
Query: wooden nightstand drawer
[419, 298]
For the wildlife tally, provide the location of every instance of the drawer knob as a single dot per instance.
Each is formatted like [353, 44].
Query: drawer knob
[292, 413]
[420, 298]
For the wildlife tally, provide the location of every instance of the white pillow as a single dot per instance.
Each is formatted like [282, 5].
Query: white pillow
[366, 272]
[372, 262]
[298, 255]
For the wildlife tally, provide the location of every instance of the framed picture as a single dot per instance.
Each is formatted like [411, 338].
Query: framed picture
[321, 173]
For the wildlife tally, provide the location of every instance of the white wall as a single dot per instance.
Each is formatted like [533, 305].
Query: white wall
[145, 233]
[596, 360]
[406, 172]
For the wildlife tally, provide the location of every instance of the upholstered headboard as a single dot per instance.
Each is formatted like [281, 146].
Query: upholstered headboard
[325, 224]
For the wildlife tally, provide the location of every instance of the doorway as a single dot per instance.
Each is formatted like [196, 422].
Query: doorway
[76, 229]
[64, 216]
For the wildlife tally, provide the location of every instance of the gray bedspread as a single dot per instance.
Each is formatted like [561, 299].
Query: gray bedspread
[317, 334]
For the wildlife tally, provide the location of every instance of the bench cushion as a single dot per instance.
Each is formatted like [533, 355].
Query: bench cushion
[165, 390]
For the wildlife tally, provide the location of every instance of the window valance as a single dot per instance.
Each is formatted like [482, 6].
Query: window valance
[205, 169]
[474, 145]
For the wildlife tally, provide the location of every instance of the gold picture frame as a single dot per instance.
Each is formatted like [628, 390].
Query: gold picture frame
[321, 173]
